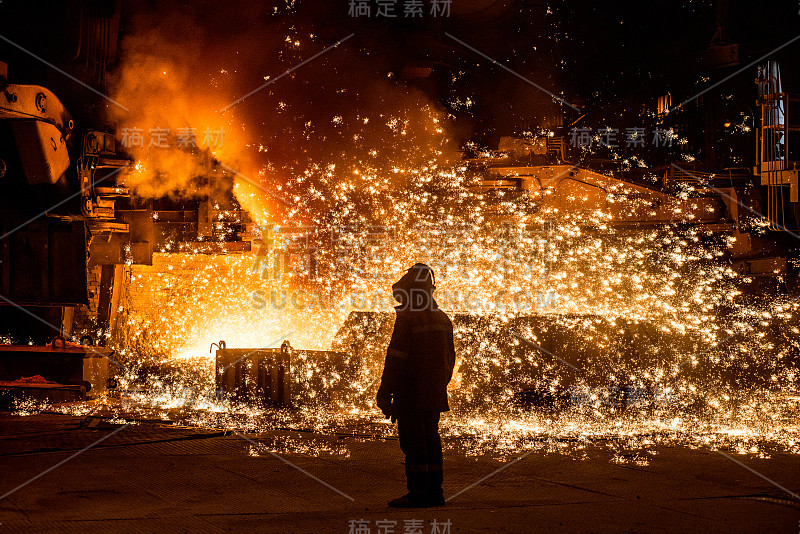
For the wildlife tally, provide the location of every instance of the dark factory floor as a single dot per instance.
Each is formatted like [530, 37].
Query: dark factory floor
[152, 476]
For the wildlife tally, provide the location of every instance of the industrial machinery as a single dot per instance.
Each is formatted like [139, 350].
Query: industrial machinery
[72, 369]
[286, 376]
[69, 224]
[262, 374]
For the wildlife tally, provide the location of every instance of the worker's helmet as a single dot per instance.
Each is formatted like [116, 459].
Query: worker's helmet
[418, 280]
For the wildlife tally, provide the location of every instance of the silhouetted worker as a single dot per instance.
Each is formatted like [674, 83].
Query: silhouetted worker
[419, 365]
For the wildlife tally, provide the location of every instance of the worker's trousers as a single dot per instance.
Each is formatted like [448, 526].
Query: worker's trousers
[420, 441]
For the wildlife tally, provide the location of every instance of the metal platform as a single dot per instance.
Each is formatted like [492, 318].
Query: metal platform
[59, 362]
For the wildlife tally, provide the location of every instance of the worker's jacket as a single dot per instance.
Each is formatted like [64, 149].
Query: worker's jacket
[419, 362]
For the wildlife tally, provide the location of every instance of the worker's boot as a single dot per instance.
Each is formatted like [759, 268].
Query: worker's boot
[417, 483]
[435, 480]
[409, 500]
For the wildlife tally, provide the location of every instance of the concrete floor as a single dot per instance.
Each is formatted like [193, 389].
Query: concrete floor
[153, 477]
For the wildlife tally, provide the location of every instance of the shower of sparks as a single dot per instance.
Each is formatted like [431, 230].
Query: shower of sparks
[669, 349]
[668, 343]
